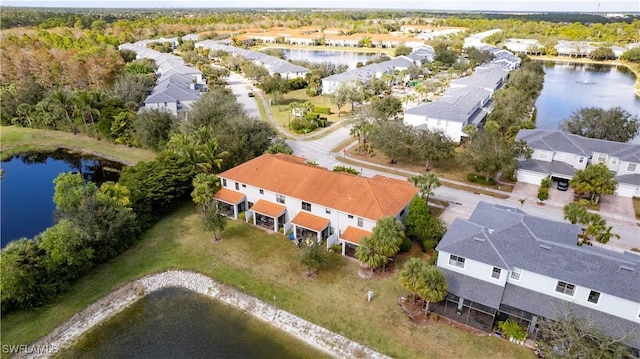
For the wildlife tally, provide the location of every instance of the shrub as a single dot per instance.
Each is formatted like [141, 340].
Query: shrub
[433, 259]
[297, 83]
[302, 125]
[512, 329]
[311, 116]
[406, 245]
[346, 169]
[546, 182]
[543, 193]
[336, 248]
[634, 249]
[471, 177]
[322, 110]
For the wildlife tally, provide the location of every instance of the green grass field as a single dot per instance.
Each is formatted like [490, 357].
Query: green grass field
[266, 265]
[15, 140]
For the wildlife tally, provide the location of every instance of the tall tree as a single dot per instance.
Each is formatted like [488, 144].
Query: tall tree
[417, 218]
[432, 146]
[387, 237]
[435, 288]
[214, 221]
[427, 183]
[613, 124]
[489, 153]
[204, 187]
[595, 179]
[393, 138]
[341, 96]
[152, 127]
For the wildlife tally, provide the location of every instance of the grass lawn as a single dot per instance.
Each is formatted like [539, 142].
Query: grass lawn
[281, 112]
[15, 140]
[266, 265]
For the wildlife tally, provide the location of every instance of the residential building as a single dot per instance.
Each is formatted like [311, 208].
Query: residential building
[558, 154]
[283, 193]
[503, 263]
[523, 46]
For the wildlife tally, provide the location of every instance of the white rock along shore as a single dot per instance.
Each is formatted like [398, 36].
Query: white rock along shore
[65, 334]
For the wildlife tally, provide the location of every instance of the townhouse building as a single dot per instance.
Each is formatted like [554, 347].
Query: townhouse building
[284, 194]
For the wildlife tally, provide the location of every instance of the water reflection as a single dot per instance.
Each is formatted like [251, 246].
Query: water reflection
[335, 57]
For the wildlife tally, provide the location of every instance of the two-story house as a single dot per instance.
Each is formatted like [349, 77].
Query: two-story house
[283, 193]
[503, 262]
[559, 154]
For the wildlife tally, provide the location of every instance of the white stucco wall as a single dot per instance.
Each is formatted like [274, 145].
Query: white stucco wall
[473, 269]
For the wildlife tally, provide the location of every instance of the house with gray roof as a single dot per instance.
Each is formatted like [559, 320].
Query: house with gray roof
[504, 262]
[558, 154]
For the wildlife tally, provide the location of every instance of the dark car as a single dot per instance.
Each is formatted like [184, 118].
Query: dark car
[563, 185]
[250, 94]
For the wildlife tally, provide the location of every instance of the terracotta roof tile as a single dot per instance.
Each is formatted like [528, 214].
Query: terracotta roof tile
[354, 234]
[288, 175]
[310, 221]
[229, 196]
[270, 209]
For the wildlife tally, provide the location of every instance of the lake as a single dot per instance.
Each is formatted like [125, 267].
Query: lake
[570, 86]
[335, 57]
[178, 323]
[27, 188]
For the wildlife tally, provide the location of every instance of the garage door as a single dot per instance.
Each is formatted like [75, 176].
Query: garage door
[530, 177]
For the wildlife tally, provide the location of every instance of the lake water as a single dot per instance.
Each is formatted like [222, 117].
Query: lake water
[335, 57]
[177, 323]
[570, 86]
[27, 189]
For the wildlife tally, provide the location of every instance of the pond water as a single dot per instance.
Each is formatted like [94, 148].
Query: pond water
[335, 57]
[27, 187]
[570, 86]
[177, 323]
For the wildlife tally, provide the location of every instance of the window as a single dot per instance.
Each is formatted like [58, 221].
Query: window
[581, 160]
[244, 186]
[631, 167]
[544, 155]
[350, 216]
[402, 212]
[237, 186]
[515, 273]
[496, 273]
[280, 198]
[327, 211]
[360, 222]
[456, 261]
[565, 288]
[224, 182]
[306, 206]
[250, 204]
[261, 191]
[594, 297]
[602, 157]
[614, 161]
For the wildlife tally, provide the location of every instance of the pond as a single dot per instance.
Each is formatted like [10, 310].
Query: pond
[27, 188]
[336, 57]
[570, 86]
[177, 323]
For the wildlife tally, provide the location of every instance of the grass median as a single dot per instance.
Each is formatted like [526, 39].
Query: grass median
[265, 265]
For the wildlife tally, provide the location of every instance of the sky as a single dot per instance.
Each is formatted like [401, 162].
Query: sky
[607, 6]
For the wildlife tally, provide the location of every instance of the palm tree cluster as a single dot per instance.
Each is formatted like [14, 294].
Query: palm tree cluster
[423, 280]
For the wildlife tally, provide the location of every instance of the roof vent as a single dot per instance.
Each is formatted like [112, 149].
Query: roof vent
[627, 268]
[490, 230]
[479, 239]
[544, 246]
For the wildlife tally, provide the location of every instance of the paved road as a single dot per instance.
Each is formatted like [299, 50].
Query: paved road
[241, 88]
[462, 203]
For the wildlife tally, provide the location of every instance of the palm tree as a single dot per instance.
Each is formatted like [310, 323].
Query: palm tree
[435, 288]
[575, 213]
[412, 276]
[387, 237]
[204, 187]
[60, 103]
[367, 254]
[427, 183]
[84, 105]
[210, 156]
[605, 235]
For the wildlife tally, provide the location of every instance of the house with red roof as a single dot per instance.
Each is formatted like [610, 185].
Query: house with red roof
[283, 193]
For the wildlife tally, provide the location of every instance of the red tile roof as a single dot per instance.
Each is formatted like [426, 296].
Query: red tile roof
[270, 209]
[229, 196]
[310, 221]
[290, 176]
[354, 234]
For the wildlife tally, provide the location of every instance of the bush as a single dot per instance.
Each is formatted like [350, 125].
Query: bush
[471, 177]
[406, 245]
[302, 125]
[297, 83]
[311, 116]
[543, 193]
[336, 248]
[322, 110]
[546, 182]
[433, 259]
[511, 329]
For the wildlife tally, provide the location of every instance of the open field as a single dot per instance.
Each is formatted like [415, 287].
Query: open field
[15, 140]
[266, 265]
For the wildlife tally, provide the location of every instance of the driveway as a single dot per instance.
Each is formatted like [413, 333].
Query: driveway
[529, 192]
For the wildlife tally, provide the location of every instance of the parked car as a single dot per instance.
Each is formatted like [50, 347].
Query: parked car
[563, 185]
[250, 94]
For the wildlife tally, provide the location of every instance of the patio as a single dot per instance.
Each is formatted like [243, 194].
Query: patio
[474, 315]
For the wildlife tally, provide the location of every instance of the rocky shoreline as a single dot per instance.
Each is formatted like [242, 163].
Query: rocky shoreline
[334, 344]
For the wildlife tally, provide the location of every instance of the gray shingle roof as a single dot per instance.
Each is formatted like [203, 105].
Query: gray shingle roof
[556, 140]
[633, 179]
[545, 247]
[474, 289]
[555, 167]
[550, 307]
